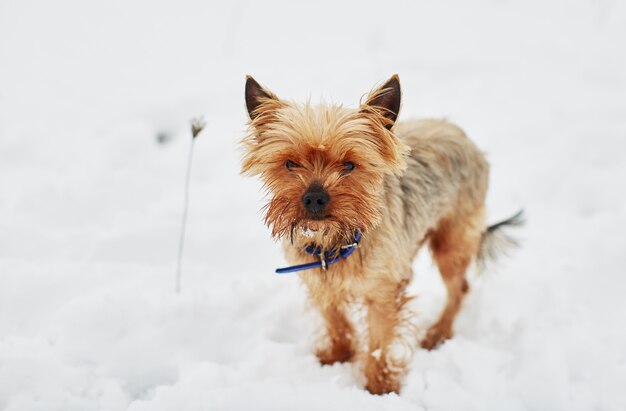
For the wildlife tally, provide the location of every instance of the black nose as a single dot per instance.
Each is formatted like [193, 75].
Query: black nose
[315, 199]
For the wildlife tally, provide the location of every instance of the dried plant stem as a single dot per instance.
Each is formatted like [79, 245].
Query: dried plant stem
[183, 226]
[197, 125]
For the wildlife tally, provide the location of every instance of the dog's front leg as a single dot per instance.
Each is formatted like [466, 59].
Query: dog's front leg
[383, 367]
[339, 346]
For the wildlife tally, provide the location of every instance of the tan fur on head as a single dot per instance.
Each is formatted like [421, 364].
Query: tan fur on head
[412, 183]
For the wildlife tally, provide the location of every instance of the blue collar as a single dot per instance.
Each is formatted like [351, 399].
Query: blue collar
[329, 257]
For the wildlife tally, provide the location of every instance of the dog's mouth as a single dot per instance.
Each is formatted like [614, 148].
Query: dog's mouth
[319, 217]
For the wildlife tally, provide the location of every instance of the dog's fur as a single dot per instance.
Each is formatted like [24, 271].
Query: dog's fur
[414, 182]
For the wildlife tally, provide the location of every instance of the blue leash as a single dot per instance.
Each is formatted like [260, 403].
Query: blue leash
[329, 257]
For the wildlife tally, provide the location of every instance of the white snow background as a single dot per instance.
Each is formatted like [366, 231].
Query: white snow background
[90, 202]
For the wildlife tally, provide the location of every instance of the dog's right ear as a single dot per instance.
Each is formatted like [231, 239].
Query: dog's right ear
[256, 96]
[386, 100]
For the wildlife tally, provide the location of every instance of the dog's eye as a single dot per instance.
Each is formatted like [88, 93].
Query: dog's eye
[291, 164]
[348, 166]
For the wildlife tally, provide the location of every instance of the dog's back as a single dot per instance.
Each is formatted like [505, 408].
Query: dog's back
[447, 153]
[446, 174]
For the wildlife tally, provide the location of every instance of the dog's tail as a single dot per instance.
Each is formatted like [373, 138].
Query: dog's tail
[496, 240]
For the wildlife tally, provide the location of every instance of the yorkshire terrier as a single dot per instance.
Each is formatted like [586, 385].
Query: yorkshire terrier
[354, 195]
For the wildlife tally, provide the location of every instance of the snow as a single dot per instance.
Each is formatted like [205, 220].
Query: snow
[90, 202]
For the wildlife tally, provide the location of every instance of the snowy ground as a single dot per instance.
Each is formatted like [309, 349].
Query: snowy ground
[90, 203]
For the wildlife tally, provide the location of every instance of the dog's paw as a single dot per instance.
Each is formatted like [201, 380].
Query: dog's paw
[383, 387]
[335, 354]
[435, 336]
[380, 380]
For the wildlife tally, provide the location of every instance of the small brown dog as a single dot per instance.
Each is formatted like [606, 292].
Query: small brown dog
[353, 181]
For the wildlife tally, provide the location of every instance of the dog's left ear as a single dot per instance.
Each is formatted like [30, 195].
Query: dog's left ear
[256, 96]
[386, 100]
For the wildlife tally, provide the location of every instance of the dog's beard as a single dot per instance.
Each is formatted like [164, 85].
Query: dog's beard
[317, 230]
[327, 232]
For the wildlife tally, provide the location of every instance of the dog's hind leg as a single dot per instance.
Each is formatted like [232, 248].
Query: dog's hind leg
[454, 244]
